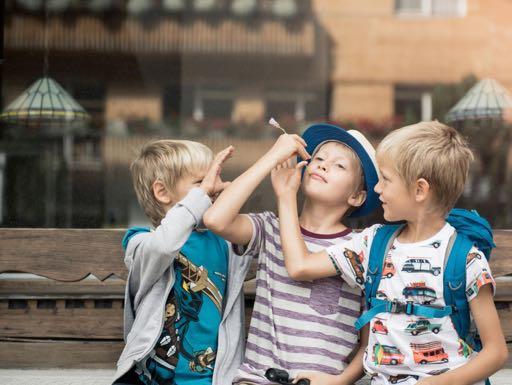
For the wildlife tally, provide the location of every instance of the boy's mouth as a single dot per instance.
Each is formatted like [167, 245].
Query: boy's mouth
[318, 177]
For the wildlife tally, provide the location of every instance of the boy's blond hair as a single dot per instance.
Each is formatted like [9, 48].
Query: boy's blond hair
[166, 161]
[433, 151]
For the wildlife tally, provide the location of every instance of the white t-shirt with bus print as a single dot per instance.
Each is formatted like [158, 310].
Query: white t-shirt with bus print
[404, 348]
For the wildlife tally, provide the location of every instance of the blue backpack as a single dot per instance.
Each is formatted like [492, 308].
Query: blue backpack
[471, 230]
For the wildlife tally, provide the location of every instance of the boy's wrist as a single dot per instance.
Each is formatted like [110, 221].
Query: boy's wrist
[270, 160]
[196, 202]
[285, 197]
[342, 379]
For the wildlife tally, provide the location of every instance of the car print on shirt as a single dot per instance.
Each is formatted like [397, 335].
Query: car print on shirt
[387, 355]
[464, 349]
[484, 278]
[396, 379]
[438, 372]
[389, 269]
[429, 353]
[477, 283]
[472, 257]
[379, 328]
[355, 262]
[420, 265]
[422, 326]
[419, 292]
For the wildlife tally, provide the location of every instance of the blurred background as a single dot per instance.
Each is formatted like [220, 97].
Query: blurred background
[85, 83]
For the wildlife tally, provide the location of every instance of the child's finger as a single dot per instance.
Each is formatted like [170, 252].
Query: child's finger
[303, 153]
[300, 165]
[300, 139]
[224, 155]
[301, 150]
[299, 376]
[212, 175]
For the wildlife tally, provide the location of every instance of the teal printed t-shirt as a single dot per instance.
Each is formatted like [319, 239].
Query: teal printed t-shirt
[185, 352]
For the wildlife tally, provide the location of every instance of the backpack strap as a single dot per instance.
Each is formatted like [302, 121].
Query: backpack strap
[131, 232]
[381, 244]
[454, 281]
[409, 307]
[456, 273]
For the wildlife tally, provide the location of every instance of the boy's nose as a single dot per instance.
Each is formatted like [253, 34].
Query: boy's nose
[322, 166]
[377, 188]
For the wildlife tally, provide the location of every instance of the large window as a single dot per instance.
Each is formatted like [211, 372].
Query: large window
[412, 104]
[213, 103]
[295, 105]
[427, 8]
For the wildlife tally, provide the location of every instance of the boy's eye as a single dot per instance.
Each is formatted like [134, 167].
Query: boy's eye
[319, 158]
[339, 165]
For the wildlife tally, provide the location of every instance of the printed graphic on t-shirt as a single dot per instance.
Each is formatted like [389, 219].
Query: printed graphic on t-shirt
[183, 306]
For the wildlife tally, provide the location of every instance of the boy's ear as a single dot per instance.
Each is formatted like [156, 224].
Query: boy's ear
[161, 193]
[357, 199]
[422, 189]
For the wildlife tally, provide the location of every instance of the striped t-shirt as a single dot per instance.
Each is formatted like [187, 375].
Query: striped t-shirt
[296, 326]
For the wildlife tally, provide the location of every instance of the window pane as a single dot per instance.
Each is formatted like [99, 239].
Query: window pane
[447, 7]
[408, 6]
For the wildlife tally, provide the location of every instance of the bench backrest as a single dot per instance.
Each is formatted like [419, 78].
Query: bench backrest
[72, 320]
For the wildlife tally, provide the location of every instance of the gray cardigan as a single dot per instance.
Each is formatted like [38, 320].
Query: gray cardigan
[149, 258]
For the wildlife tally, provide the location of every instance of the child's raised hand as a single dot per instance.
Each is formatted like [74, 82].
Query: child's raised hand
[286, 177]
[212, 183]
[287, 146]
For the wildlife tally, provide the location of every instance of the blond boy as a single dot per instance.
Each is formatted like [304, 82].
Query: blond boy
[184, 302]
[423, 169]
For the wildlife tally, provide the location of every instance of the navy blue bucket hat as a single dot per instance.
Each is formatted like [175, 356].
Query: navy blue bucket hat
[321, 133]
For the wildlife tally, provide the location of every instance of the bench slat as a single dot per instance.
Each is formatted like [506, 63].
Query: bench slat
[501, 258]
[43, 288]
[19, 353]
[81, 323]
[63, 254]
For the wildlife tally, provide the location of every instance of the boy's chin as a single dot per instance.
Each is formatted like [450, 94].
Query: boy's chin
[389, 216]
[392, 218]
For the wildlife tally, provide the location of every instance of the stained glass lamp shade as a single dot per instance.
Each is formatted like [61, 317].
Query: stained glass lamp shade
[44, 101]
[485, 100]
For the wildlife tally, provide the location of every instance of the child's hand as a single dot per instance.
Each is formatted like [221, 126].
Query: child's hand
[286, 177]
[212, 184]
[316, 378]
[287, 146]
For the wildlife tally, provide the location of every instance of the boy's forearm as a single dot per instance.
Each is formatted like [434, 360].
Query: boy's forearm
[230, 201]
[494, 353]
[355, 370]
[157, 252]
[294, 248]
[488, 362]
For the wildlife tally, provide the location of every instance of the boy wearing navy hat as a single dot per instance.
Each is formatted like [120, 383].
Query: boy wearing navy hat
[298, 326]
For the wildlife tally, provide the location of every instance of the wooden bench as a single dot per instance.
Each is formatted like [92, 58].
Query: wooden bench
[72, 320]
